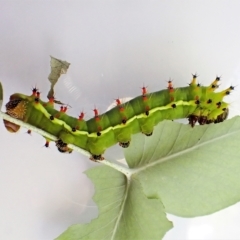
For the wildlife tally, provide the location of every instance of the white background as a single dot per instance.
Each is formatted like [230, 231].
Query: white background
[114, 47]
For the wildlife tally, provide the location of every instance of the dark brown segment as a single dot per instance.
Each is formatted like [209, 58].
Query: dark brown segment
[16, 108]
[202, 120]
[124, 144]
[223, 116]
[36, 100]
[12, 104]
[192, 119]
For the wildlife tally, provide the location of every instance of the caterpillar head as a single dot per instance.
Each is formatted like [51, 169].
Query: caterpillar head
[15, 108]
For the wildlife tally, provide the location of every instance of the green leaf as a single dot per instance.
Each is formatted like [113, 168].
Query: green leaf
[124, 211]
[58, 67]
[195, 171]
[1, 95]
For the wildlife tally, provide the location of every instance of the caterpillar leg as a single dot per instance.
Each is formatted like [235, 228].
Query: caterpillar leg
[192, 119]
[96, 158]
[124, 144]
[62, 147]
[148, 134]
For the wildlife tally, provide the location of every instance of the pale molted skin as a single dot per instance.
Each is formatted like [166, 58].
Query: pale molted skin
[197, 103]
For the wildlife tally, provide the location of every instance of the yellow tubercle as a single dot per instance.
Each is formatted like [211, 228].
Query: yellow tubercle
[214, 85]
[194, 80]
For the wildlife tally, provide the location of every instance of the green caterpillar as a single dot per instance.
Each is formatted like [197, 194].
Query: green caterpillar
[197, 103]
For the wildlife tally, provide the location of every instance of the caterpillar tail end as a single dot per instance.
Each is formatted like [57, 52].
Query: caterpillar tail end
[11, 127]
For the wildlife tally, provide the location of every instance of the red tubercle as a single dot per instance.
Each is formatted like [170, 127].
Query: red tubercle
[99, 128]
[34, 91]
[46, 144]
[171, 99]
[95, 112]
[63, 109]
[119, 104]
[144, 91]
[96, 115]
[81, 116]
[147, 108]
[170, 86]
[118, 101]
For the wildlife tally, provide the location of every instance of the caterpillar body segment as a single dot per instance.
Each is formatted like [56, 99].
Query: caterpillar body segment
[197, 103]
